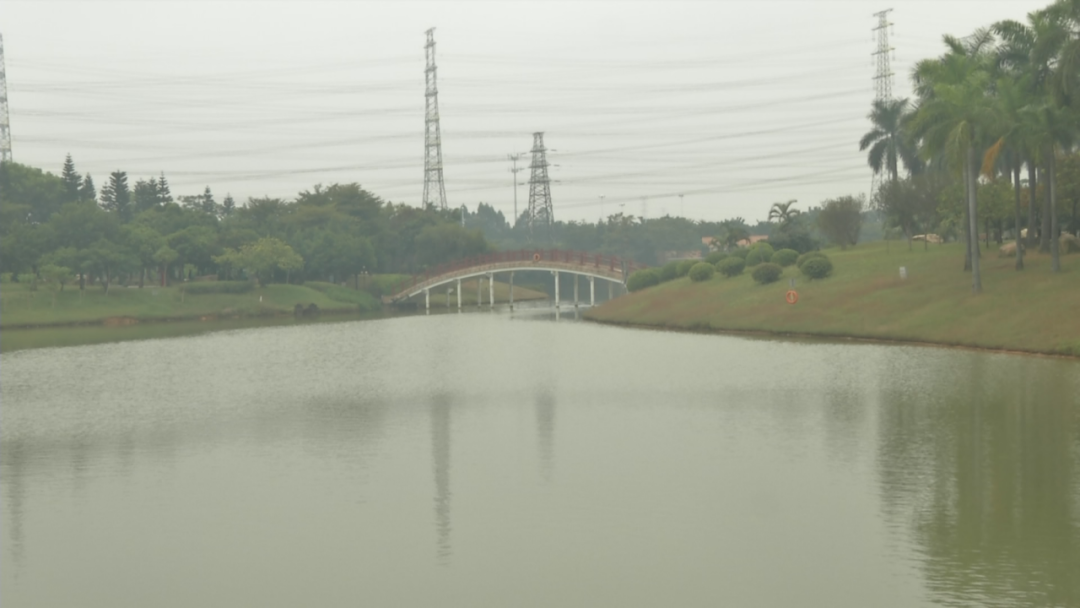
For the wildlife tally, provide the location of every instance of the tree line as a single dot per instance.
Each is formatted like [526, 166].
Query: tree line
[62, 227]
[988, 143]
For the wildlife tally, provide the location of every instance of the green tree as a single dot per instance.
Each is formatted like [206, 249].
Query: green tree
[887, 140]
[783, 213]
[841, 220]
[164, 257]
[144, 242]
[263, 258]
[71, 180]
[87, 191]
[56, 276]
[116, 196]
[228, 206]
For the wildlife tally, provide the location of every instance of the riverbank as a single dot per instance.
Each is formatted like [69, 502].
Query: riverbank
[1032, 311]
[22, 307]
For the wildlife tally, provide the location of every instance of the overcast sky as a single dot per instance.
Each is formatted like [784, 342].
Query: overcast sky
[732, 104]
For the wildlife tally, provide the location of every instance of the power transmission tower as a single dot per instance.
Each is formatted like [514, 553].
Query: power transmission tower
[540, 210]
[514, 158]
[5, 126]
[434, 189]
[882, 75]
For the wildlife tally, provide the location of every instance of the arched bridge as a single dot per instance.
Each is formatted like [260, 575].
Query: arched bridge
[590, 265]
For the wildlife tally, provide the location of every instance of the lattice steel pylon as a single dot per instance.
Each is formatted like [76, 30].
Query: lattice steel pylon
[541, 213]
[434, 189]
[882, 75]
[5, 126]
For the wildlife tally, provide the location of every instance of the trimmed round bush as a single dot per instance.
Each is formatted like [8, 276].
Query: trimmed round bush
[755, 257]
[730, 267]
[807, 256]
[817, 268]
[685, 266]
[739, 252]
[784, 257]
[765, 249]
[767, 273]
[642, 279]
[669, 271]
[702, 271]
[715, 257]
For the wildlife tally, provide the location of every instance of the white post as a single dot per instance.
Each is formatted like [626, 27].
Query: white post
[427, 299]
[609, 296]
[556, 289]
[448, 298]
[511, 291]
[459, 295]
[592, 291]
[479, 294]
[575, 291]
[491, 290]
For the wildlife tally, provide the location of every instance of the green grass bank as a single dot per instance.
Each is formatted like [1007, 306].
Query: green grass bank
[22, 306]
[1030, 311]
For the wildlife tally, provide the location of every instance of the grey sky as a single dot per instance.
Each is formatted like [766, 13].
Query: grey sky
[733, 104]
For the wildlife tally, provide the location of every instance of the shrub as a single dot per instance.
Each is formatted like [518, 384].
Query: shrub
[731, 267]
[642, 279]
[767, 273]
[701, 271]
[807, 256]
[739, 252]
[765, 249]
[686, 265]
[218, 287]
[817, 268]
[784, 257]
[669, 272]
[755, 257]
[715, 257]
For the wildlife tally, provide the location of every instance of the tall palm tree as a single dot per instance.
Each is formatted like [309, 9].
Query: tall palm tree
[1031, 51]
[954, 120]
[1015, 142]
[783, 213]
[887, 140]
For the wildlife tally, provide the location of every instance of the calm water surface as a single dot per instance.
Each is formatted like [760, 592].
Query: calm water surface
[490, 460]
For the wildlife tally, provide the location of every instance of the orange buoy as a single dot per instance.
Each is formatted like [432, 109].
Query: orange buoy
[792, 296]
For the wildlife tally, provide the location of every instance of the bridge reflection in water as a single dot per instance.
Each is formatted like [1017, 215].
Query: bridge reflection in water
[612, 269]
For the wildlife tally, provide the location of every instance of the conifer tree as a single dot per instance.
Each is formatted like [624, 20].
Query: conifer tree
[116, 196]
[71, 180]
[87, 191]
[228, 206]
[164, 195]
[209, 206]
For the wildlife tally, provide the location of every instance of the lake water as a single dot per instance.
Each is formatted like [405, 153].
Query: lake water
[514, 460]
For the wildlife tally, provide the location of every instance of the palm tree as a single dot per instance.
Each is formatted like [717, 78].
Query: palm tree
[954, 119]
[887, 140]
[1014, 143]
[1030, 51]
[783, 213]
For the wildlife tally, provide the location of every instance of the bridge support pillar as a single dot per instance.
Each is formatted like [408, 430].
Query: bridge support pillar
[575, 291]
[609, 293]
[592, 291]
[556, 273]
[459, 295]
[427, 299]
[511, 291]
[479, 294]
[491, 290]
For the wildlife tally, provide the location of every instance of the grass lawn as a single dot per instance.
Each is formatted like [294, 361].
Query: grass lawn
[1033, 310]
[21, 307]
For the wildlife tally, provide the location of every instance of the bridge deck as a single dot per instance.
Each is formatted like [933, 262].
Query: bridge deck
[609, 268]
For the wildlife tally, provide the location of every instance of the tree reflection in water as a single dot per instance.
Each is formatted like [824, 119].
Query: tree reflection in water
[981, 472]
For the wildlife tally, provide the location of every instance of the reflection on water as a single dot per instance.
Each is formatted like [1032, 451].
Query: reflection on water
[440, 453]
[980, 462]
[297, 465]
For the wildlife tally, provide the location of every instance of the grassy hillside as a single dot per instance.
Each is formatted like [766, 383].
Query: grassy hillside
[20, 306]
[1032, 310]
